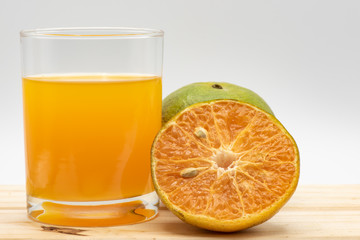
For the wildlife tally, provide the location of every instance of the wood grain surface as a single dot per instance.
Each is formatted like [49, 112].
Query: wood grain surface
[314, 212]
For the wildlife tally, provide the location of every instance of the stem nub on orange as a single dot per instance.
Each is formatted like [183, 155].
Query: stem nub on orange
[224, 165]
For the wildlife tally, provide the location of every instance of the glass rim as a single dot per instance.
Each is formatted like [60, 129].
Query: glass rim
[92, 32]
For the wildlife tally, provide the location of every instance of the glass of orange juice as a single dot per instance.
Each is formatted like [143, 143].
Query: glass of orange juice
[92, 107]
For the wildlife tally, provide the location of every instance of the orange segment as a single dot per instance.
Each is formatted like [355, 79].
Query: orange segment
[225, 201]
[194, 201]
[254, 194]
[168, 172]
[203, 117]
[224, 165]
[176, 144]
[231, 119]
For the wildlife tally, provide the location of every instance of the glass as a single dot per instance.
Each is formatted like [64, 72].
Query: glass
[92, 107]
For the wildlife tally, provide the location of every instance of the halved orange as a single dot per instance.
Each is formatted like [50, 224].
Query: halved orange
[224, 165]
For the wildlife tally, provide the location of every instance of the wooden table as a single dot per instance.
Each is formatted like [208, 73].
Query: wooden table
[314, 212]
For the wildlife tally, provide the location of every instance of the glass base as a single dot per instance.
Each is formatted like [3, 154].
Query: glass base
[94, 214]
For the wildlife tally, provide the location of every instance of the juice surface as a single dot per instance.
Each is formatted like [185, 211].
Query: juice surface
[88, 138]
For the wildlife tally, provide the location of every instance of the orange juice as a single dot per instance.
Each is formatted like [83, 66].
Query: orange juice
[88, 138]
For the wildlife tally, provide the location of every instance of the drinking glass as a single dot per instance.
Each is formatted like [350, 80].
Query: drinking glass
[92, 107]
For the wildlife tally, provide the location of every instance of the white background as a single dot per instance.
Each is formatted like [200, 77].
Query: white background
[302, 57]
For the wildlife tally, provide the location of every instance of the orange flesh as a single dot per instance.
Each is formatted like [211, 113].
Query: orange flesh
[248, 161]
[88, 138]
